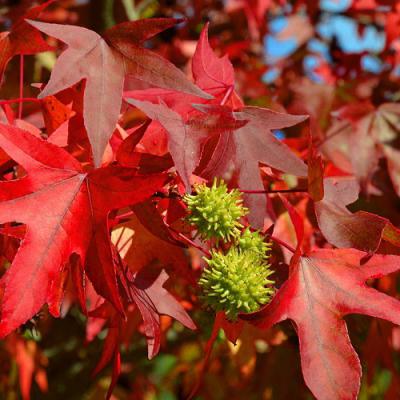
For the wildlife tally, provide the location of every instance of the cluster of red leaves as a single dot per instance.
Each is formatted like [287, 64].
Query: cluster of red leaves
[91, 196]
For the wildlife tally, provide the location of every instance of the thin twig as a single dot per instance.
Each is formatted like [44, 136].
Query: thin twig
[282, 243]
[188, 241]
[177, 233]
[21, 84]
[125, 215]
[227, 95]
[274, 191]
[20, 100]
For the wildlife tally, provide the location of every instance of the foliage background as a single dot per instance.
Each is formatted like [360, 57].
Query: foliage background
[305, 56]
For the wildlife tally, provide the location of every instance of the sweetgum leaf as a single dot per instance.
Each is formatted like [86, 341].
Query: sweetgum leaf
[186, 136]
[323, 286]
[154, 300]
[245, 147]
[212, 74]
[104, 64]
[361, 230]
[370, 134]
[244, 134]
[141, 247]
[65, 211]
[146, 291]
[15, 42]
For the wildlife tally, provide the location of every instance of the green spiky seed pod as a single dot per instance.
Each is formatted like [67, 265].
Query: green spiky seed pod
[236, 282]
[254, 241]
[215, 211]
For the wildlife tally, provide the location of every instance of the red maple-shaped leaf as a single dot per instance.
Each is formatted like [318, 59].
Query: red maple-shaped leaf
[104, 62]
[16, 41]
[251, 144]
[369, 132]
[243, 135]
[187, 135]
[324, 286]
[244, 138]
[145, 290]
[361, 230]
[212, 74]
[153, 300]
[65, 211]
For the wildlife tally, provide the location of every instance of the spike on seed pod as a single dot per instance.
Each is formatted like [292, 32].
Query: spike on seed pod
[254, 241]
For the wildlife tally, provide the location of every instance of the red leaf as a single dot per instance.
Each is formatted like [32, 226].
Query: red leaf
[370, 134]
[323, 287]
[253, 143]
[153, 300]
[55, 113]
[315, 175]
[73, 215]
[186, 136]
[212, 74]
[125, 154]
[27, 356]
[151, 219]
[104, 64]
[138, 246]
[361, 230]
[15, 42]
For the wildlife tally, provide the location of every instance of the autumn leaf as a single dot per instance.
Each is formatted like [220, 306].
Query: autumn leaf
[27, 357]
[324, 286]
[55, 114]
[213, 74]
[249, 145]
[153, 300]
[144, 289]
[104, 62]
[15, 41]
[74, 206]
[361, 230]
[371, 134]
[186, 136]
[139, 247]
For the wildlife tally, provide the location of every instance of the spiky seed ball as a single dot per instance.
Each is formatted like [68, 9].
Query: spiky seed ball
[236, 282]
[254, 241]
[215, 211]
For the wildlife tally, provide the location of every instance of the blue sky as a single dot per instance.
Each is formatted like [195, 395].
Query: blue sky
[332, 25]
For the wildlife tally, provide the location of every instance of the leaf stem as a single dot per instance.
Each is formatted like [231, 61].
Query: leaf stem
[274, 191]
[108, 14]
[125, 215]
[227, 95]
[181, 236]
[282, 243]
[21, 84]
[20, 100]
[188, 241]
